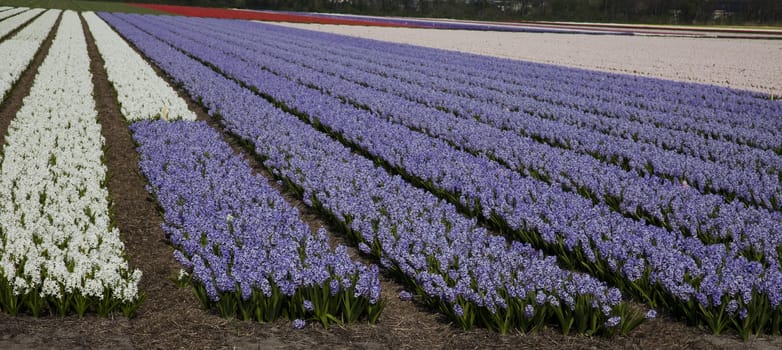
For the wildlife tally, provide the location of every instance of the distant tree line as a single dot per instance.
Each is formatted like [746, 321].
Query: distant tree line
[646, 11]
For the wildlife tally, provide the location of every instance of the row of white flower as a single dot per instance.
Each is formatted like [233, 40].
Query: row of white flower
[20, 49]
[11, 11]
[142, 94]
[57, 239]
[8, 25]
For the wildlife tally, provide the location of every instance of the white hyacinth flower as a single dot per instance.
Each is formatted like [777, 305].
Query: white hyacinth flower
[54, 212]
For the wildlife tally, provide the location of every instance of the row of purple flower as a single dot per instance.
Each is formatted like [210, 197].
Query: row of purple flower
[753, 231]
[626, 123]
[712, 166]
[686, 101]
[439, 79]
[452, 263]
[250, 253]
[702, 103]
[434, 89]
[707, 283]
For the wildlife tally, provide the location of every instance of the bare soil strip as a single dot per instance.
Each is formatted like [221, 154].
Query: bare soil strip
[13, 101]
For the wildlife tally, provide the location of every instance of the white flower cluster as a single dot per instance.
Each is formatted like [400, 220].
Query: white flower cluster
[8, 25]
[19, 50]
[11, 11]
[142, 94]
[54, 209]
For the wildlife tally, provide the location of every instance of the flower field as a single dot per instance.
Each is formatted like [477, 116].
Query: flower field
[306, 177]
[370, 21]
[741, 63]
[233, 264]
[60, 251]
[192, 11]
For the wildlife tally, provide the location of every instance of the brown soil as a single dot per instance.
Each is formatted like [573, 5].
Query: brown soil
[171, 318]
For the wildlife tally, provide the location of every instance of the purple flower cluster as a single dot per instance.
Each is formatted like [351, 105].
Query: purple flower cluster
[664, 203]
[639, 136]
[429, 81]
[405, 295]
[715, 110]
[662, 267]
[299, 324]
[245, 245]
[465, 99]
[446, 257]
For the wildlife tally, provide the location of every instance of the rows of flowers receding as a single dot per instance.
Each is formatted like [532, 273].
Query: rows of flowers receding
[435, 88]
[248, 251]
[514, 78]
[707, 283]
[623, 133]
[10, 11]
[8, 25]
[453, 265]
[635, 144]
[755, 171]
[192, 11]
[724, 107]
[751, 231]
[60, 252]
[19, 50]
[142, 94]
[343, 19]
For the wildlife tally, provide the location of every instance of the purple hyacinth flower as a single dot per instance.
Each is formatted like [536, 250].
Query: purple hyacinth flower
[613, 322]
[651, 314]
[299, 323]
[457, 310]
[529, 311]
[405, 295]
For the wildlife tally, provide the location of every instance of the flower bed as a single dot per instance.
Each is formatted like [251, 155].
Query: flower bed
[246, 251]
[19, 51]
[453, 265]
[674, 206]
[60, 252]
[683, 274]
[9, 24]
[141, 93]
